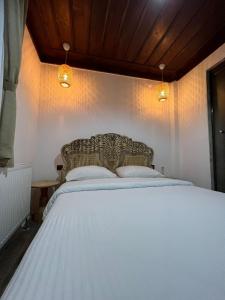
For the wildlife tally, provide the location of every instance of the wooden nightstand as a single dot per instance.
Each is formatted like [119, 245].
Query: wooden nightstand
[44, 197]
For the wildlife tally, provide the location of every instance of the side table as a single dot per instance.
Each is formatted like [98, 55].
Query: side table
[44, 189]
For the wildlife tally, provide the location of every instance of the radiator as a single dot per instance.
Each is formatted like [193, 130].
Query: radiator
[15, 192]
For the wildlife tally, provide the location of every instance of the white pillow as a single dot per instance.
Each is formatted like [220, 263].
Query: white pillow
[89, 172]
[137, 171]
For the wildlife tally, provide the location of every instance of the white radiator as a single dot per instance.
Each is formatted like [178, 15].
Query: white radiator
[15, 192]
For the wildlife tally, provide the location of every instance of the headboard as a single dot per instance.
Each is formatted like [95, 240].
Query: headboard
[109, 150]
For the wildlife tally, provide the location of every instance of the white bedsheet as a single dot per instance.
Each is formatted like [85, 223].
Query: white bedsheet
[133, 239]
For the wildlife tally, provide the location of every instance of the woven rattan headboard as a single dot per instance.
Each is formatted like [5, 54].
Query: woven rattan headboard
[109, 150]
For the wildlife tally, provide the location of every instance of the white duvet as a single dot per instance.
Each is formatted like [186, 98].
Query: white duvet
[117, 239]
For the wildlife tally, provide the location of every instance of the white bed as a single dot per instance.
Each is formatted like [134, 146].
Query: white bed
[117, 239]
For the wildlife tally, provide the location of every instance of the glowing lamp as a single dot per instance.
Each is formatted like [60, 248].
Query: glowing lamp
[65, 75]
[163, 92]
[64, 71]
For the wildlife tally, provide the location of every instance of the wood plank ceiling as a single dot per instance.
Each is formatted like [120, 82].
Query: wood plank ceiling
[130, 37]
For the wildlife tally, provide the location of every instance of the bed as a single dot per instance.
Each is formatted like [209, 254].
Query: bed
[124, 238]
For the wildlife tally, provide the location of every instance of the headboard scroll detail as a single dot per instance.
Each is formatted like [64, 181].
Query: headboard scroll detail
[110, 150]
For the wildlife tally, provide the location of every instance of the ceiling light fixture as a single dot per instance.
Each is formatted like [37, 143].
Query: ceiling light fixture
[65, 71]
[163, 87]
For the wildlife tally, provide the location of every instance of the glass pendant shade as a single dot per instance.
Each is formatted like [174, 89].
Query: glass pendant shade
[65, 75]
[163, 92]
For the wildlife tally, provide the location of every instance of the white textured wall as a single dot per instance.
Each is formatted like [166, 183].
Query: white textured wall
[27, 104]
[192, 122]
[98, 103]
[1, 47]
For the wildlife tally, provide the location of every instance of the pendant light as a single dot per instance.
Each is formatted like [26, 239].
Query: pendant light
[163, 92]
[65, 71]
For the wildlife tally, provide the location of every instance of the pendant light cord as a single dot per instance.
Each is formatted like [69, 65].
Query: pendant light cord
[66, 57]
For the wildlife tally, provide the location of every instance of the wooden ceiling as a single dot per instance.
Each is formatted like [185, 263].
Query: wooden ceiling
[129, 37]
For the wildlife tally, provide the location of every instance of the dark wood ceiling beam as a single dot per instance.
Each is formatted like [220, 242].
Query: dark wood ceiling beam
[134, 13]
[47, 20]
[203, 53]
[203, 37]
[123, 18]
[89, 31]
[61, 12]
[38, 37]
[190, 31]
[102, 40]
[185, 16]
[148, 17]
[159, 29]
[80, 11]
[72, 11]
[97, 24]
[111, 43]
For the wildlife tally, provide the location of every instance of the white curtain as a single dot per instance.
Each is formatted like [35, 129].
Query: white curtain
[1, 47]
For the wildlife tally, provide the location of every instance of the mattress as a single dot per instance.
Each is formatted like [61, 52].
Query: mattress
[117, 239]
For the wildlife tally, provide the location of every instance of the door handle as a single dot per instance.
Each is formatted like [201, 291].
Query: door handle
[222, 131]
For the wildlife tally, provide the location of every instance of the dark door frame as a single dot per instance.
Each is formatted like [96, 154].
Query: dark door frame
[216, 68]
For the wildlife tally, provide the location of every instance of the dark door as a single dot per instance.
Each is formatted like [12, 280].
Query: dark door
[217, 99]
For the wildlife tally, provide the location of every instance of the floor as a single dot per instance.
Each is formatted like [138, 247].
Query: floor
[13, 251]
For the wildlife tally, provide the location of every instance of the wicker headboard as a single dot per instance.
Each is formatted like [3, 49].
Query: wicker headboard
[109, 150]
